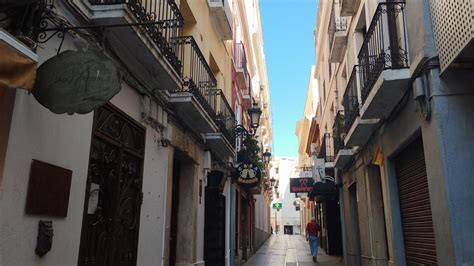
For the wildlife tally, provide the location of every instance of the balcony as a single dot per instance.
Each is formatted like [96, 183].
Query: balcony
[240, 63]
[343, 155]
[384, 73]
[222, 16]
[141, 33]
[349, 7]
[337, 33]
[223, 142]
[326, 151]
[196, 101]
[357, 130]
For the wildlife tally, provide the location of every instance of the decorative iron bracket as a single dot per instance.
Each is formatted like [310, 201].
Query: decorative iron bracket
[241, 131]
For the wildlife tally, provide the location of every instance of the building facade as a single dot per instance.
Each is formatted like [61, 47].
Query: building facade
[287, 219]
[394, 98]
[250, 88]
[304, 128]
[120, 147]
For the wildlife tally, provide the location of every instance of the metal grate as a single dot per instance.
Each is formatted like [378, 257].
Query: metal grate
[197, 75]
[350, 100]
[225, 118]
[384, 46]
[453, 22]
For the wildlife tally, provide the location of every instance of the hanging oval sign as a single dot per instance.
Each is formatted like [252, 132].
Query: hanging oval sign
[248, 175]
[76, 82]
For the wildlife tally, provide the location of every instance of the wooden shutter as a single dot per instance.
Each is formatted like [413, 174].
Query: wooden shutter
[415, 208]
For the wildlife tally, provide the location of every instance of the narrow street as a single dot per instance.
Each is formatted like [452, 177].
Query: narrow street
[289, 250]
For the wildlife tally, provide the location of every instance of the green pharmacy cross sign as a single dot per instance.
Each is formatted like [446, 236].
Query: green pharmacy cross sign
[277, 206]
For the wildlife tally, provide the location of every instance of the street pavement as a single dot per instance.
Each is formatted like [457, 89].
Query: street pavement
[289, 250]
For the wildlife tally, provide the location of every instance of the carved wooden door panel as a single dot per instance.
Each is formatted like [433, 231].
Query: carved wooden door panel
[113, 192]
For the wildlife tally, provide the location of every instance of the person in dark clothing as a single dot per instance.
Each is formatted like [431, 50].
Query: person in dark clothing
[312, 230]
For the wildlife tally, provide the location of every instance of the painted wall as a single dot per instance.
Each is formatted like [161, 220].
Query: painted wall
[62, 140]
[203, 31]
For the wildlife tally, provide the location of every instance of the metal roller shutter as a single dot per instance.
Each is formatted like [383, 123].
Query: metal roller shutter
[415, 209]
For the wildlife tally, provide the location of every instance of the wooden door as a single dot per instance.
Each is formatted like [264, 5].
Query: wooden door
[113, 198]
[214, 227]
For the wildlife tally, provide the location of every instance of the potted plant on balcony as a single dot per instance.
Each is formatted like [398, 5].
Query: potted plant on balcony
[250, 152]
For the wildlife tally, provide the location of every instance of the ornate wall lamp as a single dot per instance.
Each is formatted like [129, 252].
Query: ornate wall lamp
[266, 157]
[254, 112]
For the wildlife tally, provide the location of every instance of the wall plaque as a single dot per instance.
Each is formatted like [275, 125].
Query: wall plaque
[48, 190]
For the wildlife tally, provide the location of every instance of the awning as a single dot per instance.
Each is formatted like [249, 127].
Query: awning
[322, 191]
[18, 63]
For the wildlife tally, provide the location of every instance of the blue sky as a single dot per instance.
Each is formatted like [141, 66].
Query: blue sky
[289, 52]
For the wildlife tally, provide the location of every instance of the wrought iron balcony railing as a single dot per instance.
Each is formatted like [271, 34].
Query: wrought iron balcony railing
[240, 63]
[161, 19]
[225, 118]
[338, 131]
[335, 25]
[385, 45]
[350, 100]
[197, 75]
[240, 59]
[326, 150]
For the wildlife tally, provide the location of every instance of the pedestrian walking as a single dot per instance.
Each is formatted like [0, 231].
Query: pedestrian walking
[312, 230]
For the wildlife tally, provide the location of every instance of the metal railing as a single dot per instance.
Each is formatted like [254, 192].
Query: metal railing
[335, 25]
[240, 58]
[161, 19]
[338, 132]
[197, 75]
[385, 45]
[350, 100]
[225, 118]
[240, 63]
[326, 150]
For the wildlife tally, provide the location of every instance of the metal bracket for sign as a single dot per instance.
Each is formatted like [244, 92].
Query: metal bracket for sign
[330, 178]
[52, 24]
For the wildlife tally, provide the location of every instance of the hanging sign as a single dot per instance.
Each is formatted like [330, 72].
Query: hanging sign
[248, 175]
[277, 205]
[76, 82]
[301, 185]
[319, 170]
[306, 173]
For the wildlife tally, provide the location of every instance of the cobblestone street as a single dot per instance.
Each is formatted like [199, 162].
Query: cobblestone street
[289, 250]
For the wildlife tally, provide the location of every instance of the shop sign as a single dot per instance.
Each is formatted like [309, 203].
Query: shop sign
[277, 205]
[319, 170]
[301, 185]
[306, 173]
[248, 175]
[76, 82]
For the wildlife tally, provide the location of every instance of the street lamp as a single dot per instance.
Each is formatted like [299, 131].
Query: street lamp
[272, 182]
[266, 156]
[254, 112]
